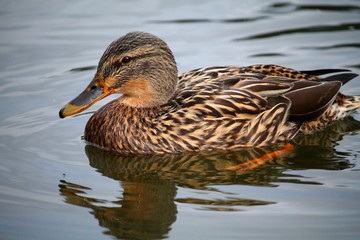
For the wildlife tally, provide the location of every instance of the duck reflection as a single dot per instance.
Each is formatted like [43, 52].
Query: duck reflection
[147, 208]
[318, 150]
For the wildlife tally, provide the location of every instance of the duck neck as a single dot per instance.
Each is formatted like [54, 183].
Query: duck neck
[116, 126]
[155, 87]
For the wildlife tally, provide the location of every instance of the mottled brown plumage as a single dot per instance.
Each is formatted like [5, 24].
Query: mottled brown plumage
[203, 109]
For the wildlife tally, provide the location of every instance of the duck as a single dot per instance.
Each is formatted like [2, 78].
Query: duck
[220, 108]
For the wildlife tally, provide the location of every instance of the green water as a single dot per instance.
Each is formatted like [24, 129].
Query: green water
[54, 186]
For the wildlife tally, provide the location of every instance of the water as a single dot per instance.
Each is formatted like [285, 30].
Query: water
[53, 186]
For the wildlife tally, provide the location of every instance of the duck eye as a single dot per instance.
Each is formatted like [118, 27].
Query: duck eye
[126, 59]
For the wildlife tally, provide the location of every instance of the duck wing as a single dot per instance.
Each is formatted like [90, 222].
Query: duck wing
[230, 113]
[311, 93]
[243, 96]
[230, 107]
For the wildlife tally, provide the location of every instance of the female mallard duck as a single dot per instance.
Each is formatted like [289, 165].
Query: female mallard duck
[204, 109]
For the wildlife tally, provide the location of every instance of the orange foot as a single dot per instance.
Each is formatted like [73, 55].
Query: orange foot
[254, 163]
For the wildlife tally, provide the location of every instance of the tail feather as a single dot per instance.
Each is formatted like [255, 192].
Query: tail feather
[342, 77]
[319, 72]
[344, 74]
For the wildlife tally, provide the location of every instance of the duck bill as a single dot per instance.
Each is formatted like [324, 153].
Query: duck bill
[96, 91]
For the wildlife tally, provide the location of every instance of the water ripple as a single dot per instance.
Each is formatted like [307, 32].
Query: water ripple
[83, 69]
[342, 45]
[269, 54]
[291, 7]
[206, 20]
[308, 29]
[27, 123]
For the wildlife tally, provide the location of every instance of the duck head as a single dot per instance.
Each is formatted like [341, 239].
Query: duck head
[139, 65]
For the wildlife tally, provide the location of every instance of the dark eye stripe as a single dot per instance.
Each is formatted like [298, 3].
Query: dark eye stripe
[119, 63]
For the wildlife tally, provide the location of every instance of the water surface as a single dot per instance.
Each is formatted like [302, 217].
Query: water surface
[54, 186]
